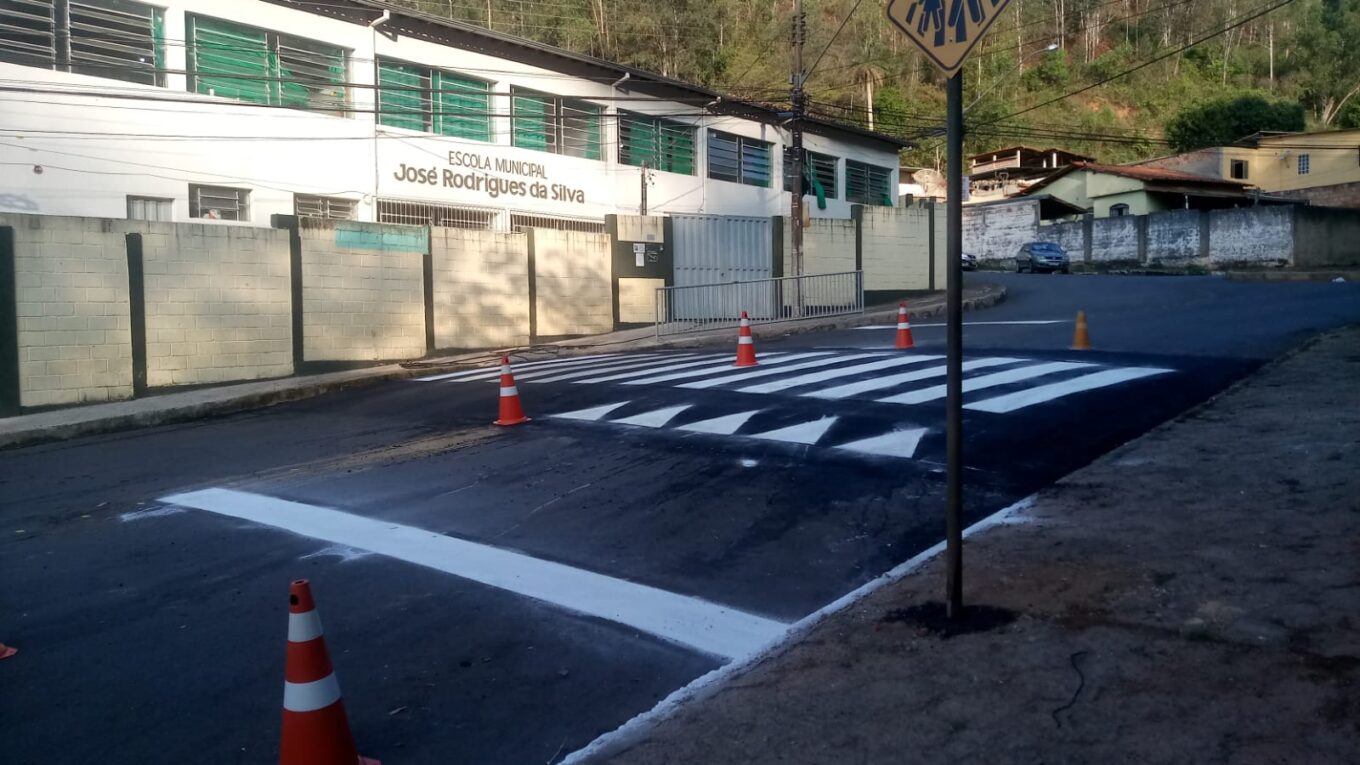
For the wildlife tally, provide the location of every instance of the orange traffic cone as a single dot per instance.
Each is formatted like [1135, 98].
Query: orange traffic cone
[904, 338]
[7, 651]
[1081, 340]
[512, 413]
[315, 731]
[746, 347]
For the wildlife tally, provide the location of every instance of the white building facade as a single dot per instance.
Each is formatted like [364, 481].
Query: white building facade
[237, 110]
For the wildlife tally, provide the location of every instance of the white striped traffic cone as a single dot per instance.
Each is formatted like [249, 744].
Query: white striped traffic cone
[746, 347]
[315, 729]
[512, 412]
[904, 338]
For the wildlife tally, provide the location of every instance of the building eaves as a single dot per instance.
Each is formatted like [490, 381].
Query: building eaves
[471, 37]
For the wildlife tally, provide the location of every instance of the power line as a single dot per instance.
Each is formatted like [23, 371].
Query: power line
[829, 43]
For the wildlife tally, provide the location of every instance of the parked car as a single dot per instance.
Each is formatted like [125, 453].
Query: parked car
[969, 262]
[1042, 256]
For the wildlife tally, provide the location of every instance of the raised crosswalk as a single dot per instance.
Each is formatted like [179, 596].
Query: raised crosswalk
[992, 384]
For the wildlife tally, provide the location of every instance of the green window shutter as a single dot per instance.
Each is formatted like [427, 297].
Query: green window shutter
[637, 141]
[676, 148]
[532, 126]
[755, 162]
[310, 75]
[231, 61]
[464, 107]
[401, 96]
[580, 130]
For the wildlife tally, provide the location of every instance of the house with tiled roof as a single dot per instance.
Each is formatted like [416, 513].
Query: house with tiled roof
[1114, 190]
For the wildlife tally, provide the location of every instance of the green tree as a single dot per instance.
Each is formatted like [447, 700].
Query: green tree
[1329, 57]
[1225, 120]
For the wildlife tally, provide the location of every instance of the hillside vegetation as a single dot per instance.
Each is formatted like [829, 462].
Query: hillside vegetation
[1290, 52]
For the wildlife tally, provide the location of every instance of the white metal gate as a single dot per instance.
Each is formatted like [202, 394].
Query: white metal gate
[715, 249]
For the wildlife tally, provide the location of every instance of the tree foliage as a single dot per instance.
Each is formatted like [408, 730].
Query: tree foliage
[1226, 120]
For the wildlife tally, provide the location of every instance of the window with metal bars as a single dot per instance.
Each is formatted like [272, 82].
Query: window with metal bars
[738, 159]
[325, 208]
[445, 216]
[419, 98]
[868, 184]
[256, 65]
[519, 222]
[219, 202]
[664, 145]
[117, 39]
[819, 171]
[557, 125]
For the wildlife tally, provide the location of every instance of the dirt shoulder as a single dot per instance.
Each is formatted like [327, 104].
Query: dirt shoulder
[1193, 596]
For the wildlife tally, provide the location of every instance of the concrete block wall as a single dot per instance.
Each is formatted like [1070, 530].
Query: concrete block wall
[218, 303]
[481, 288]
[896, 248]
[1326, 237]
[1173, 239]
[637, 300]
[573, 283]
[363, 293]
[1113, 240]
[995, 232]
[74, 325]
[828, 246]
[1251, 236]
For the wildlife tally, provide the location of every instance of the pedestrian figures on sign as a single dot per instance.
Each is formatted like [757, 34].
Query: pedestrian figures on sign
[963, 14]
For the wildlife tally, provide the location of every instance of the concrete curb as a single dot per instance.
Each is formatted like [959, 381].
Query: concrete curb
[171, 408]
[1349, 274]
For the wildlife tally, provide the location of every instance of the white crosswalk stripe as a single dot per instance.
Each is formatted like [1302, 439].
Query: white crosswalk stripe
[828, 375]
[1021, 399]
[899, 443]
[653, 419]
[803, 433]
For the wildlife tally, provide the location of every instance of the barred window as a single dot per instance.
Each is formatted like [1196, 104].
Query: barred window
[819, 170]
[738, 159]
[445, 216]
[219, 203]
[662, 144]
[520, 221]
[868, 184]
[263, 67]
[1305, 164]
[117, 39]
[327, 208]
[557, 125]
[432, 100]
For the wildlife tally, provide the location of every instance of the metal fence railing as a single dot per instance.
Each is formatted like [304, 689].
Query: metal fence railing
[766, 301]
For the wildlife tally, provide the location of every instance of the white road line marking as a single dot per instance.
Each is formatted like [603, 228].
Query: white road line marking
[890, 381]
[688, 621]
[480, 371]
[614, 365]
[899, 443]
[758, 372]
[1021, 399]
[972, 324]
[831, 374]
[803, 433]
[654, 419]
[690, 364]
[990, 381]
[721, 426]
[766, 361]
[589, 415]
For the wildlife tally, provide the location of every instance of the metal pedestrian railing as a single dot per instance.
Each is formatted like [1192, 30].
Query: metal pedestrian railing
[701, 307]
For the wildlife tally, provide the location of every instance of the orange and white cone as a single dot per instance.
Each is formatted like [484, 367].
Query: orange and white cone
[512, 412]
[315, 730]
[7, 651]
[746, 347]
[1081, 339]
[904, 338]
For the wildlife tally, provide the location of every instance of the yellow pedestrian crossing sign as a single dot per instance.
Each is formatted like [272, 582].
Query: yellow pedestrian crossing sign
[946, 30]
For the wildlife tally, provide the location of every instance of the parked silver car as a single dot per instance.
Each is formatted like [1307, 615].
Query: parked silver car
[1039, 257]
[969, 262]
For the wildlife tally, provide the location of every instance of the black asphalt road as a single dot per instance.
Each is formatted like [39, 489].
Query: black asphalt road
[149, 633]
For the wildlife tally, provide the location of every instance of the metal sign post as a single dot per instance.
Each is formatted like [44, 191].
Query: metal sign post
[947, 31]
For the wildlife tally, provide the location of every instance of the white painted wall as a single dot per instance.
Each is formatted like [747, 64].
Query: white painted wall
[96, 141]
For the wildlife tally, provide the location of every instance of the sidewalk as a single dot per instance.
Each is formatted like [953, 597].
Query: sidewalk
[165, 407]
[1193, 596]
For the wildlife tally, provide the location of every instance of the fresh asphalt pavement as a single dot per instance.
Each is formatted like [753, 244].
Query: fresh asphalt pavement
[506, 595]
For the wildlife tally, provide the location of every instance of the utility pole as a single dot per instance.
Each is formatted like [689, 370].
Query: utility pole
[645, 179]
[796, 96]
[954, 352]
